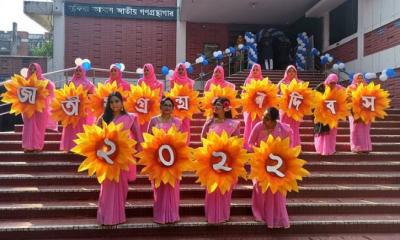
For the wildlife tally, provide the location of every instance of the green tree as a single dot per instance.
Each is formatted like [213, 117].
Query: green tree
[45, 50]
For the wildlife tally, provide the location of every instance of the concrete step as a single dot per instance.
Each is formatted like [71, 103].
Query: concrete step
[57, 167]
[144, 191]
[310, 156]
[188, 227]
[195, 136]
[195, 207]
[65, 177]
[306, 146]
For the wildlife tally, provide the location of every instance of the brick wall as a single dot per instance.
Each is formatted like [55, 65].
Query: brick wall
[10, 65]
[382, 38]
[345, 52]
[134, 42]
[198, 34]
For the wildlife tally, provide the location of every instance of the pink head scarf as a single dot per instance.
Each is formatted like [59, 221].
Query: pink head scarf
[38, 71]
[332, 78]
[213, 79]
[286, 79]
[120, 82]
[151, 79]
[87, 85]
[251, 74]
[181, 80]
[355, 83]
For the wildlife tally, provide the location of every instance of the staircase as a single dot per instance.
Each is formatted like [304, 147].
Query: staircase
[346, 196]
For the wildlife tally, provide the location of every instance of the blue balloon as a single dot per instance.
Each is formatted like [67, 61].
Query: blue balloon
[390, 72]
[205, 62]
[86, 66]
[190, 69]
[324, 60]
[232, 50]
[164, 70]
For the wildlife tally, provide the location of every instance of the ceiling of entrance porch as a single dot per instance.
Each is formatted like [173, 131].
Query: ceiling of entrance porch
[274, 12]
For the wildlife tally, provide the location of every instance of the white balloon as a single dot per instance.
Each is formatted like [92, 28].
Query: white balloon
[342, 66]
[187, 64]
[215, 54]
[240, 46]
[122, 67]
[197, 60]
[384, 72]
[335, 66]
[78, 61]
[24, 72]
[370, 75]
[303, 60]
[304, 34]
[201, 59]
[139, 70]
[171, 72]
[383, 77]
[330, 59]
[219, 52]
[227, 51]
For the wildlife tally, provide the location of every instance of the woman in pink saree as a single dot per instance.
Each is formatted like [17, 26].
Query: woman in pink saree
[180, 77]
[113, 195]
[360, 138]
[149, 78]
[116, 76]
[267, 206]
[254, 75]
[217, 205]
[69, 132]
[34, 128]
[166, 197]
[325, 138]
[218, 78]
[290, 74]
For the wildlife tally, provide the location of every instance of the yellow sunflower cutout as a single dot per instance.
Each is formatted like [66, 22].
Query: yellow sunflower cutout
[143, 101]
[369, 102]
[276, 166]
[108, 150]
[215, 92]
[186, 101]
[70, 104]
[165, 156]
[98, 100]
[26, 96]
[331, 106]
[220, 162]
[257, 96]
[296, 99]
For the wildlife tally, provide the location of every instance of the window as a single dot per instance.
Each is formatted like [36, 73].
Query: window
[343, 21]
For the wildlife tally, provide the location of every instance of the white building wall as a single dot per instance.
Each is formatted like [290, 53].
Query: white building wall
[372, 14]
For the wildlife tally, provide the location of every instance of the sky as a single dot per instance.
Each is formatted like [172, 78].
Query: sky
[13, 11]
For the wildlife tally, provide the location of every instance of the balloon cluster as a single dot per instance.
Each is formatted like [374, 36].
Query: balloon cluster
[230, 51]
[85, 63]
[339, 66]
[202, 59]
[327, 58]
[120, 66]
[387, 73]
[218, 55]
[251, 47]
[303, 43]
